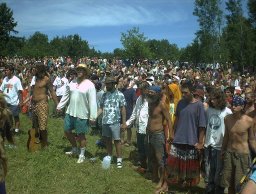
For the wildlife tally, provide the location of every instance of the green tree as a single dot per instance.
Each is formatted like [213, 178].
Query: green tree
[134, 44]
[119, 53]
[252, 11]
[163, 49]
[7, 25]
[36, 46]
[191, 53]
[58, 47]
[210, 21]
[14, 46]
[238, 35]
[76, 46]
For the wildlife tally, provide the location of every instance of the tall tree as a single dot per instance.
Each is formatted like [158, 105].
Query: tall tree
[210, 21]
[37, 45]
[238, 35]
[7, 25]
[163, 49]
[76, 46]
[134, 44]
[252, 11]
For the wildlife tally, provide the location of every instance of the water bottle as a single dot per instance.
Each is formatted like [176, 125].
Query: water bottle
[106, 162]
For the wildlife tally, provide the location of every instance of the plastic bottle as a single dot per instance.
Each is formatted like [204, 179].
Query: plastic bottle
[106, 162]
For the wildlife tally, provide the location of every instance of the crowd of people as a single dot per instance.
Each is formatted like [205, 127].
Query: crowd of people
[191, 122]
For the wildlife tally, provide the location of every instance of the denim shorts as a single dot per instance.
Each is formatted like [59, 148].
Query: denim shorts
[111, 130]
[77, 124]
[15, 109]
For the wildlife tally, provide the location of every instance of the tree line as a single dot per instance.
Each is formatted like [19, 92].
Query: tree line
[224, 35]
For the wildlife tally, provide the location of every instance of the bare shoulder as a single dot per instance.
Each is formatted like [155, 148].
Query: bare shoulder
[47, 79]
[248, 118]
[228, 117]
[252, 114]
[162, 105]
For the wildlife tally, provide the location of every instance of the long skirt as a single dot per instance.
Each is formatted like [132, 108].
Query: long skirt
[183, 165]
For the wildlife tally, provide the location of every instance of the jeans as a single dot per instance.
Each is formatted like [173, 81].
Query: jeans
[213, 167]
[141, 138]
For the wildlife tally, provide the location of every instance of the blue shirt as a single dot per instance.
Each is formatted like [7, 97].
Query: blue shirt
[191, 116]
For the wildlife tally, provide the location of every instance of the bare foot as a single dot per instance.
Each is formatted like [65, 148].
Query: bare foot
[163, 189]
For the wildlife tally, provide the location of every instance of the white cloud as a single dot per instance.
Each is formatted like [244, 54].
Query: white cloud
[59, 14]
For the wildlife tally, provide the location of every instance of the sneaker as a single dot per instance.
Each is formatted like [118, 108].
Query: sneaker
[81, 159]
[119, 164]
[72, 153]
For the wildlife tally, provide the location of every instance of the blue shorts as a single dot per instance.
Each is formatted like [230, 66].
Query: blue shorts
[14, 109]
[112, 131]
[80, 125]
[253, 176]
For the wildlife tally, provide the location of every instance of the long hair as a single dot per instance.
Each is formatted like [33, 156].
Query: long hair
[6, 121]
[41, 71]
[220, 98]
[3, 159]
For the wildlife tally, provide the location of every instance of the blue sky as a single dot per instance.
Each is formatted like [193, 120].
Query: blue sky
[101, 22]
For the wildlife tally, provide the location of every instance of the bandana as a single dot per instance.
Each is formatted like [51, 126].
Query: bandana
[157, 89]
[238, 101]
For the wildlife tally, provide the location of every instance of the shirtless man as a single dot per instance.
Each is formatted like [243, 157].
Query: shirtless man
[157, 138]
[250, 98]
[235, 150]
[40, 107]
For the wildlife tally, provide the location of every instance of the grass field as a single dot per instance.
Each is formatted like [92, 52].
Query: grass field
[51, 171]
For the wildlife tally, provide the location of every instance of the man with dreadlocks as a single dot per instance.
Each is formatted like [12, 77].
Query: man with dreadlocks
[40, 105]
[156, 136]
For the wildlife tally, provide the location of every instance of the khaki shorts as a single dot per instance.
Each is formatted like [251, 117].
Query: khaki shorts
[235, 165]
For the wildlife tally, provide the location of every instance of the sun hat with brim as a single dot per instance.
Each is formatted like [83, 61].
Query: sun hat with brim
[84, 67]
[110, 80]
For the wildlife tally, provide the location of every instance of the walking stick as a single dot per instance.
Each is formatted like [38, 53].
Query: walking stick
[245, 178]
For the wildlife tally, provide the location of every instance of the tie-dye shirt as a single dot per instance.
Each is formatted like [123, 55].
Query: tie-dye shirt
[111, 103]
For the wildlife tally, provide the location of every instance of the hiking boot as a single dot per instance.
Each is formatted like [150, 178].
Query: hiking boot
[81, 159]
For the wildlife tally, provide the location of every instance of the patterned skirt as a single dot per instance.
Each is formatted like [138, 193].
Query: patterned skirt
[183, 165]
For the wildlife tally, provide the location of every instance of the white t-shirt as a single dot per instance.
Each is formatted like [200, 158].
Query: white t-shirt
[11, 88]
[81, 98]
[33, 81]
[60, 85]
[215, 127]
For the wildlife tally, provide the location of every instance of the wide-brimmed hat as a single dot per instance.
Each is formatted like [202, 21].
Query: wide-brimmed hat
[84, 67]
[110, 80]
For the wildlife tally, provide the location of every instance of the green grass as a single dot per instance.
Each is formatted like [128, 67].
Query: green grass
[51, 171]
